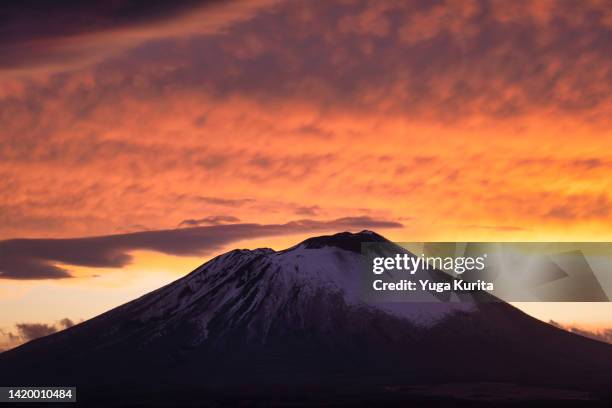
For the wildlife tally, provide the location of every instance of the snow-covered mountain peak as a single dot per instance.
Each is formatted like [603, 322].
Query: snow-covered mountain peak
[299, 316]
[263, 279]
[344, 240]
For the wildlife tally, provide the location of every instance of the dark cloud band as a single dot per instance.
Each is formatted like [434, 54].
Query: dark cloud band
[27, 24]
[37, 258]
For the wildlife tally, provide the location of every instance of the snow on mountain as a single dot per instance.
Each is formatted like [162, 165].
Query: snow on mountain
[262, 281]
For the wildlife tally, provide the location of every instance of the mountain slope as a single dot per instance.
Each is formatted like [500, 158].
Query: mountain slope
[294, 320]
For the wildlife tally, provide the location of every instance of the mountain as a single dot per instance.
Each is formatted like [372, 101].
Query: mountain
[275, 325]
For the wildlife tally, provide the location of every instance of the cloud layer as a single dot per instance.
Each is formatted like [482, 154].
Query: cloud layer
[480, 113]
[39, 37]
[25, 332]
[36, 258]
[604, 335]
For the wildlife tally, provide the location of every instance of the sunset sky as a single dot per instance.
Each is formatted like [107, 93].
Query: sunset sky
[138, 139]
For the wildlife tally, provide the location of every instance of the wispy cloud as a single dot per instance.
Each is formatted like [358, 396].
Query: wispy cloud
[37, 258]
[64, 35]
[604, 335]
[211, 220]
[307, 210]
[25, 332]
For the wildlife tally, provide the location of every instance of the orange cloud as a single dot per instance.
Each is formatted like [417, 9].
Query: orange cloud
[459, 113]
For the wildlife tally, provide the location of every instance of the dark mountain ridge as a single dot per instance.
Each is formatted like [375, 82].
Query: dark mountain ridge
[268, 323]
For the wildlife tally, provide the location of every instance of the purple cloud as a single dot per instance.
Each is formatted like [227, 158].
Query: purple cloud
[36, 258]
